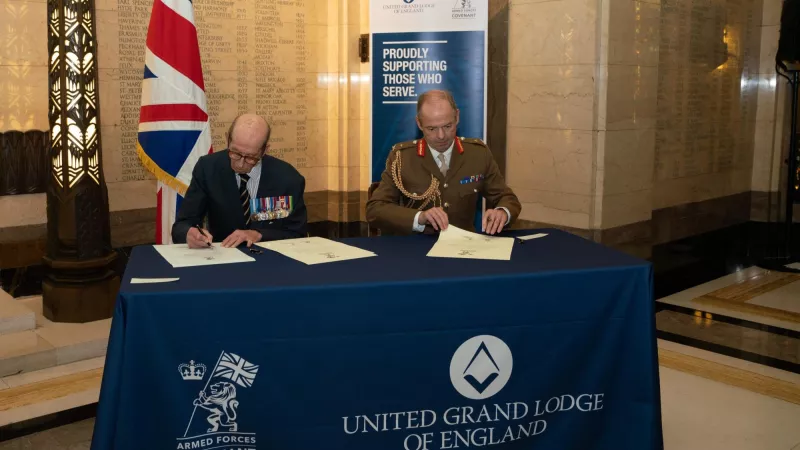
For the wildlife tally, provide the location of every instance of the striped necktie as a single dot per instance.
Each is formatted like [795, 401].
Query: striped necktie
[244, 197]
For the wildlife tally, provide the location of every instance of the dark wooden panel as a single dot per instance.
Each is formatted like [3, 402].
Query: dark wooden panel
[23, 162]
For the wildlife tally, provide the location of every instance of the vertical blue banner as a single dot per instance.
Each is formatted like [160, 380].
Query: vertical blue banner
[406, 65]
[417, 46]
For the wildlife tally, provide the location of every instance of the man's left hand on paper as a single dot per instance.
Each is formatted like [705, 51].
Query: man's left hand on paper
[240, 236]
[494, 220]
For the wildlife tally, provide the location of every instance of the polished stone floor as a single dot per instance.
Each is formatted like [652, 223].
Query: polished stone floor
[75, 436]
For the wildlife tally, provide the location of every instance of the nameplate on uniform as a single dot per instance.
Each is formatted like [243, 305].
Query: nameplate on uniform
[472, 179]
[271, 208]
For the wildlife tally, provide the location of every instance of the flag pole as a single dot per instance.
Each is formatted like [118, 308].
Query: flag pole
[189, 425]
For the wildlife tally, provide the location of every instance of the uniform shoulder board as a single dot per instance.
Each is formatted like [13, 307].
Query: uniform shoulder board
[474, 141]
[405, 145]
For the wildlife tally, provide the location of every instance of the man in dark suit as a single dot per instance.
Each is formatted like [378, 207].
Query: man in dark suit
[247, 195]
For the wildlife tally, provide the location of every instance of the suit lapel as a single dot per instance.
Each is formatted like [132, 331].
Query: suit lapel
[430, 165]
[264, 180]
[456, 161]
[230, 190]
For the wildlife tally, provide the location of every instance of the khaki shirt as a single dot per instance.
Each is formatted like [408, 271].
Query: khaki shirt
[472, 171]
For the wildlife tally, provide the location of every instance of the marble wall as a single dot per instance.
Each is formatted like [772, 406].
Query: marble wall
[326, 134]
[23, 90]
[708, 93]
[771, 141]
[620, 108]
[551, 136]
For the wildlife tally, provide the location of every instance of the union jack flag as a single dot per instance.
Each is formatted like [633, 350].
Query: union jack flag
[174, 128]
[236, 369]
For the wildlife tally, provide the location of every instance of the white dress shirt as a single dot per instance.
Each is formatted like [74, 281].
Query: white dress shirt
[252, 183]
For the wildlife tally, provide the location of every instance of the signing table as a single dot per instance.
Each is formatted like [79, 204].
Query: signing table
[554, 349]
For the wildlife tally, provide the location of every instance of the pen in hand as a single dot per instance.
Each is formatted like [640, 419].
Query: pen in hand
[203, 234]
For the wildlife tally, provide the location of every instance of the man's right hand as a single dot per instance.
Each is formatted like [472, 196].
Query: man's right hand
[197, 239]
[436, 217]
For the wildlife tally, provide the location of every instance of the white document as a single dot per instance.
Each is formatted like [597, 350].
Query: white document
[180, 255]
[315, 250]
[532, 236]
[457, 243]
[152, 280]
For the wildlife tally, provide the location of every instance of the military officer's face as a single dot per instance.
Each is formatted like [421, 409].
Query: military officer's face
[438, 122]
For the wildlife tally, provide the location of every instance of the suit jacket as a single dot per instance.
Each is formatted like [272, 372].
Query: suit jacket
[213, 192]
[472, 171]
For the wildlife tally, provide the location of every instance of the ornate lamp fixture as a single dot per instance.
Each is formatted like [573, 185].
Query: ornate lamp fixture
[79, 286]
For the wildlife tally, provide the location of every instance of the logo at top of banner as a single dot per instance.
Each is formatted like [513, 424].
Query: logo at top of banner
[218, 403]
[481, 367]
[409, 1]
[463, 9]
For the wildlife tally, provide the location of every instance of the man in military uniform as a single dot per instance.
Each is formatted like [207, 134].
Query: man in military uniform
[432, 182]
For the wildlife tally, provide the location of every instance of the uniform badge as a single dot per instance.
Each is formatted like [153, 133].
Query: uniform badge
[472, 179]
[271, 208]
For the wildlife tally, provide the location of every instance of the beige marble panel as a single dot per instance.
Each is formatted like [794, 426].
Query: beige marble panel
[17, 210]
[106, 5]
[131, 195]
[24, 351]
[107, 23]
[23, 98]
[14, 317]
[317, 42]
[626, 208]
[551, 97]
[316, 178]
[764, 175]
[632, 97]
[353, 16]
[633, 33]
[109, 89]
[318, 12]
[769, 48]
[771, 12]
[552, 33]
[354, 181]
[555, 208]
[767, 86]
[697, 188]
[23, 33]
[629, 158]
[682, 163]
[354, 149]
[559, 161]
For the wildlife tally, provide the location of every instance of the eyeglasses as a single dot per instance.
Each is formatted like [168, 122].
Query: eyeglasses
[236, 156]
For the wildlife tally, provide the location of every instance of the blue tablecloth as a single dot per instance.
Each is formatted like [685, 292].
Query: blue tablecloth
[554, 349]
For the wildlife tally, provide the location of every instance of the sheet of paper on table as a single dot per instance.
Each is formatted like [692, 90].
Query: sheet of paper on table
[180, 255]
[457, 243]
[315, 250]
[152, 280]
[532, 236]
